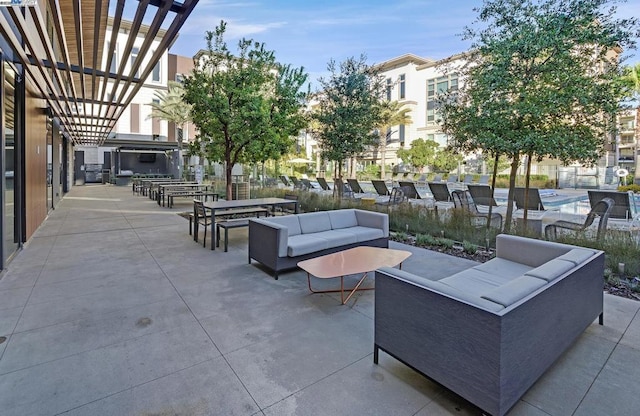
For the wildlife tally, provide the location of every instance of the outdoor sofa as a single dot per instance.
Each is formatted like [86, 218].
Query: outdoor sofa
[280, 243]
[489, 332]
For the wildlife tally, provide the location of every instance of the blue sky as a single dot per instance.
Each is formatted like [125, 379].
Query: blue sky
[310, 33]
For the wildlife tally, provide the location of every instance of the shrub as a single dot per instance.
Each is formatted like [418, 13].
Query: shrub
[626, 188]
[469, 248]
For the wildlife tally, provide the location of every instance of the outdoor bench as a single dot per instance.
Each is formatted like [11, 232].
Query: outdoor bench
[226, 225]
[189, 194]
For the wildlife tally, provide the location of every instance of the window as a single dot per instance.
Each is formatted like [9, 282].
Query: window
[401, 134]
[114, 59]
[402, 86]
[389, 85]
[134, 56]
[437, 86]
[155, 74]
[180, 78]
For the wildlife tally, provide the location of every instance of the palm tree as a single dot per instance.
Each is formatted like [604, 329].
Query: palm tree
[631, 78]
[392, 114]
[169, 106]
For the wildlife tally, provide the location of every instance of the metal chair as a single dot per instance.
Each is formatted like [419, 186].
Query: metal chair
[396, 197]
[462, 200]
[601, 209]
[199, 217]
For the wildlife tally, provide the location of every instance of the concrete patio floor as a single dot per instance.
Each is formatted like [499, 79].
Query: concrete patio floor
[112, 309]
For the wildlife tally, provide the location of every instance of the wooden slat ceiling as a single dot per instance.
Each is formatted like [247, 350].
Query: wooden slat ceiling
[65, 59]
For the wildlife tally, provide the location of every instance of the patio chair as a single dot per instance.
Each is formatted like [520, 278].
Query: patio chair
[601, 209]
[197, 218]
[380, 187]
[440, 192]
[467, 179]
[482, 195]
[284, 180]
[341, 188]
[533, 203]
[396, 197]
[306, 184]
[463, 200]
[355, 186]
[624, 207]
[421, 180]
[484, 180]
[323, 184]
[452, 179]
[437, 178]
[297, 184]
[409, 189]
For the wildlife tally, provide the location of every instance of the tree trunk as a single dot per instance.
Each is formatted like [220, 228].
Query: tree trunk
[383, 154]
[493, 187]
[512, 184]
[526, 190]
[228, 169]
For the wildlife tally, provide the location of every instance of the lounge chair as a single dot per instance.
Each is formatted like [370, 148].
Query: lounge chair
[440, 192]
[533, 203]
[601, 209]
[297, 184]
[285, 180]
[624, 207]
[484, 180]
[463, 200]
[380, 187]
[482, 195]
[355, 186]
[437, 178]
[441, 195]
[306, 184]
[323, 184]
[452, 179]
[421, 180]
[396, 197]
[467, 179]
[341, 188]
[409, 189]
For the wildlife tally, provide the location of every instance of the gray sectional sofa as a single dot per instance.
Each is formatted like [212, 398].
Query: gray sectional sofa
[489, 332]
[280, 243]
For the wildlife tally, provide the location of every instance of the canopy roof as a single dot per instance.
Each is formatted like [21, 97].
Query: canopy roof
[66, 61]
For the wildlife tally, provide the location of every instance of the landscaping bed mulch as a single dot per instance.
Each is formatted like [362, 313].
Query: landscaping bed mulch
[616, 285]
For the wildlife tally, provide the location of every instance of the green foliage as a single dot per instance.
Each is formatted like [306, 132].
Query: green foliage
[171, 107]
[626, 188]
[530, 85]
[469, 247]
[392, 114]
[420, 154]
[371, 171]
[348, 110]
[446, 160]
[631, 81]
[247, 107]
[445, 242]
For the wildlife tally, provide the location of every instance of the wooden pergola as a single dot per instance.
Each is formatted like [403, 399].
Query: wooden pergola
[64, 56]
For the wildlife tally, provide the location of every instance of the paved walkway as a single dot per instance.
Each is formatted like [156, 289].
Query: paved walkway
[112, 309]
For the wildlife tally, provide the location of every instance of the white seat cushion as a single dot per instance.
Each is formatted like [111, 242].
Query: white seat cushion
[336, 238]
[314, 222]
[364, 233]
[343, 218]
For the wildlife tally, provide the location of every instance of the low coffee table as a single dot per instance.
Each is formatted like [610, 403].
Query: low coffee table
[351, 261]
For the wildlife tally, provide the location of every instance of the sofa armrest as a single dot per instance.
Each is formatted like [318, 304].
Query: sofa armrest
[373, 220]
[268, 234]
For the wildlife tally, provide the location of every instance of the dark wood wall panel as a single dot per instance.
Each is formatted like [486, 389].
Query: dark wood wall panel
[35, 161]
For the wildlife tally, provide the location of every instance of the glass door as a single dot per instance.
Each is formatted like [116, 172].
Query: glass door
[9, 126]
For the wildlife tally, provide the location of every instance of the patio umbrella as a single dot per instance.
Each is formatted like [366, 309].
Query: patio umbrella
[300, 160]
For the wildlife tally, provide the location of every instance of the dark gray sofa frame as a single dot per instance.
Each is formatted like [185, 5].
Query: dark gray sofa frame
[267, 254]
[489, 358]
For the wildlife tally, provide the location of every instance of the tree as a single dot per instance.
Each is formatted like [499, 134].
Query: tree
[446, 160]
[348, 110]
[421, 153]
[171, 107]
[247, 106]
[631, 80]
[391, 114]
[540, 81]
